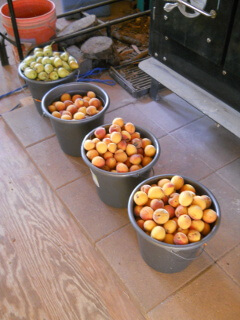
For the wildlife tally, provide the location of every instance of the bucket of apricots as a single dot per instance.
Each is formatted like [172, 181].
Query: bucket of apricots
[174, 218]
[75, 109]
[119, 155]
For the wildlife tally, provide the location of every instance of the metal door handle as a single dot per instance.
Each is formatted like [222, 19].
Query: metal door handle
[212, 14]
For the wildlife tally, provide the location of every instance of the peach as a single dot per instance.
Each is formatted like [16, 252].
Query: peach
[184, 221]
[107, 155]
[126, 135]
[208, 201]
[95, 102]
[155, 193]
[185, 198]
[92, 153]
[180, 238]
[75, 96]
[79, 102]
[89, 145]
[116, 137]
[158, 233]
[101, 147]
[112, 147]
[180, 210]
[91, 94]
[140, 198]
[156, 204]
[149, 225]
[137, 142]
[170, 226]
[146, 142]
[198, 200]
[168, 188]
[160, 216]
[136, 210]
[66, 117]
[161, 182]
[118, 121]
[59, 105]
[149, 150]
[188, 187]
[91, 110]
[98, 161]
[122, 145]
[209, 215]
[131, 149]
[169, 238]
[129, 127]
[140, 223]
[120, 156]
[146, 161]
[170, 210]
[136, 159]
[114, 128]
[194, 236]
[111, 163]
[65, 96]
[178, 182]
[135, 167]
[79, 115]
[173, 199]
[121, 167]
[100, 132]
[195, 212]
[197, 225]
[56, 114]
[145, 188]
[206, 229]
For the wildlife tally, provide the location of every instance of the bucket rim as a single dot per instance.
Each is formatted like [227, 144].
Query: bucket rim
[73, 85]
[136, 173]
[167, 246]
[53, 9]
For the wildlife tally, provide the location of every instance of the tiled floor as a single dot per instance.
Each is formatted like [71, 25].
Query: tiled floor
[191, 145]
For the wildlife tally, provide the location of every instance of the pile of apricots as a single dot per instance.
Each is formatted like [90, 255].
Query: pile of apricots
[172, 212]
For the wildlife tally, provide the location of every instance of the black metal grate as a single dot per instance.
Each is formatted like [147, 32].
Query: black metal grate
[132, 79]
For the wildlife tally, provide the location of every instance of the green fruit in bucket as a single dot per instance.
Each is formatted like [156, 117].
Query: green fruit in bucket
[66, 66]
[39, 54]
[47, 50]
[38, 67]
[43, 76]
[53, 75]
[48, 68]
[30, 73]
[46, 60]
[23, 65]
[57, 62]
[32, 64]
[62, 72]
[73, 65]
[29, 59]
[71, 58]
[64, 56]
[39, 59]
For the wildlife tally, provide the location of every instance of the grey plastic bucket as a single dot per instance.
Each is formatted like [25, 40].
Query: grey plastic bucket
[70, 133]
[170, 258]
[114, 188]
[39, 88]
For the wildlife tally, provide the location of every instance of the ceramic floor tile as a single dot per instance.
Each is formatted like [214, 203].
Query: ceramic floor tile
[231, 173]
[230, 264]
[227, 236]
[130, 114]
[96, 218]
[171, 112]
[215, 145]
[56, 166]
[211, 296]
[147, 285]
[177, 158]
[28, 126]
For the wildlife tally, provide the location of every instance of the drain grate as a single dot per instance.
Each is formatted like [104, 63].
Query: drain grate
[132, 79]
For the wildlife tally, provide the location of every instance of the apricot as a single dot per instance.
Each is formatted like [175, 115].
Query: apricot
[206, 229]
[120, 156]
[121, 167]
[173, 199]
[129, 127]
[146, 213]
[116, 137]
[111, 163]
[68, 103]
[113, 128]
[188, 187]
[95, 102]
[83, 110]
[59, 105]
[131, 149]
[184, 221]
[135, 159]
[56, 114]
[185, 198]
[107, 155]
[146, 160]
[140, 223]
[137, 142]
[126, 135]
[156, 204]
[168, 188]
[72, 108]
[169, 238]
[178, 182]
[96, 140]
[180, 210]
[197, 225]
[135, 135]
[91, 110]
[161, 182]
[91, 94]
[158, 233]
[149, 225]
[208, 201]
[160, 216]
[170, 210]
[92, 153]
[89, 144]
[52, 108]
[209, 215]
[149, 150]
[98, 161]
[100, 132]
[180, 238]
[185, 231]
[75, 96]
[101, 147]
[145, 188]
[195, 212]
[112, 147]
[155, 193]
[118, 121]
[170, 226]
[79, 102]
[122, 145]
[140, 198]
[198, 200]
[135, 167]
[136, 210]
[106, 140]
[146, 142]
[66, 117]
[194, 236]
[65, 96]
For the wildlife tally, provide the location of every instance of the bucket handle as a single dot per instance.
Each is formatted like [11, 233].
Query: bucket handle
[190, 259]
